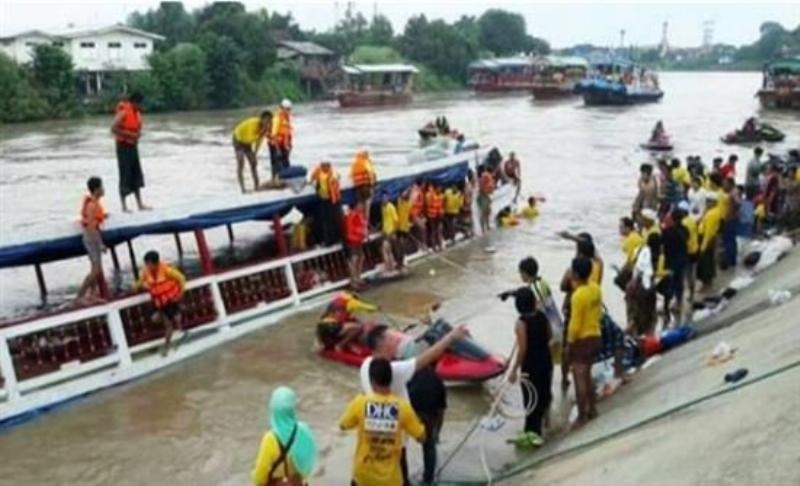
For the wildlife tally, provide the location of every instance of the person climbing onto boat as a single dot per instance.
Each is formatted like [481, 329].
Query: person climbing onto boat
[247, 138]
[658, 134]
[355, 235]
[486, 187]
[281, 139]
[512, 172]
[583, 336]
[533, 360]
[364, 178]
[127, 129]
[389, 223]
[288, 451]
[338, 326]
[326, 181]
[382, 416]
[166, 285]
[92, 218]
[434, 213]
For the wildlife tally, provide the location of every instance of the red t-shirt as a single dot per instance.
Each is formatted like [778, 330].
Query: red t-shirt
[727, 170]
[355, 228]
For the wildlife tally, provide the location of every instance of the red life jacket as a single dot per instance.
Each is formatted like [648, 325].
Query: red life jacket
[355, 228]
[131, 122]
[163, 290]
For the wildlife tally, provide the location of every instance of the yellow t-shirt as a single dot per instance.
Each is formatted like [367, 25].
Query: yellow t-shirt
[586, 309]
[723, 202]
[597, 272]
[381, 422]
[322, 184]
[404, 215]
[248, 131]
[681, 174]
[630, 245]
[529, 212]
[300, 236]
[646, 232]
[268, 453]
[389, 218]
[761, 211]
[453, 200]
[693, 245]
[709, 227]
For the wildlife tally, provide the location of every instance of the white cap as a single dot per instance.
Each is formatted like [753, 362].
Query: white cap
[683, 206]
[650, 214]
[286, 103]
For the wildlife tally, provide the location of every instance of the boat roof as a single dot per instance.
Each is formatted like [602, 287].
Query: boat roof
[565, 61]
[608, 59]
[52, 242]
[379, 68]
[501, 62]
[791, 65]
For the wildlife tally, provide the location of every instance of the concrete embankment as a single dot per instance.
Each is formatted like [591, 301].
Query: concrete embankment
[678, 422]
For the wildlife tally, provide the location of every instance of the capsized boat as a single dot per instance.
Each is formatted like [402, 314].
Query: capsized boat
[465, 361]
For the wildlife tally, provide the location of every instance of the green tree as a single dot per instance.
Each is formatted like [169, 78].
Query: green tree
[437, 45]
[375, 55]
[19, 101]
[223, 62]
[55, 80]
[380, 31]
[170, 19]
[502, 32]
[182, 76]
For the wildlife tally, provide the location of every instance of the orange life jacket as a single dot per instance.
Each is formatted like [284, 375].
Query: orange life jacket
[131, 122]
[355, 228]
[417, 202]
[362, 172]
[434, 204]
[99, 214]
[487, 184]
[282, 129]
[163, 289]
[332, 181]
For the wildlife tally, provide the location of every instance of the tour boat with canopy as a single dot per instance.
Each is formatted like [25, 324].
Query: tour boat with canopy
[556, 76]
[376, 85]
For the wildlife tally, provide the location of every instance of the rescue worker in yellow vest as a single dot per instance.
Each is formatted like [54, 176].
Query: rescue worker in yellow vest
[362, 173]
[247, 138]
[127, 129]
[329, 225]
[280, 140]
[166, 285]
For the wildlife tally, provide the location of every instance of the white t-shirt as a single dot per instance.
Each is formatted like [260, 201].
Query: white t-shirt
[697, 202]
[402, 372]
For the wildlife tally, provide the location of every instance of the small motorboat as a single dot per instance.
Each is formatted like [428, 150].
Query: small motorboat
[661, 144]
[465, 361]
[764, 133]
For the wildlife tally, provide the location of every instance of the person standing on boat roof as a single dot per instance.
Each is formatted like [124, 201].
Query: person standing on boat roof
[166, 285]
[364, 178]
[281, 139]
[326, 181]
[127, 129]
[92, 218]
[247, 138]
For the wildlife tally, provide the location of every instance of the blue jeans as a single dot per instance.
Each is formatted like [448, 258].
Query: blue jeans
[729, 232]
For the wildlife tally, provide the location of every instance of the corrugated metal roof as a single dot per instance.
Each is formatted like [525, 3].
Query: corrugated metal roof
[564, 61]
[379, 68]
[83, 32]
[306, 48]
[501, 62]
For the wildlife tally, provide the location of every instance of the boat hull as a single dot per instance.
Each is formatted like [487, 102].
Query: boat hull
[501, 88]
[355, 100]
[602, 92]
[552, 92]
[780, 99]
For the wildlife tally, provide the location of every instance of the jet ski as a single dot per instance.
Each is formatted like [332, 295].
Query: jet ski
[661, 144]
[764, 133]
[465, 361]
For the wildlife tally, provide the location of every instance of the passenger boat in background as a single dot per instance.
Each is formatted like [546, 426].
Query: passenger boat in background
[557, 76]
[617, 81]
[780, 87]
[49, 358]
[376, 85]
[502, 74]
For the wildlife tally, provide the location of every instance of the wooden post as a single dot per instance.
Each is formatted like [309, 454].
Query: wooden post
[280, 238]
[206, 261]
[40, 281]
[230, 232]
[134, 266]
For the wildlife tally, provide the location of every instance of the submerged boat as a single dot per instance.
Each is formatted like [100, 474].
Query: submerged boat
[502, 75]
[376, 85]
[619, 82]
[781, 85]
[49, 358]
[557, 76]
[465, 361]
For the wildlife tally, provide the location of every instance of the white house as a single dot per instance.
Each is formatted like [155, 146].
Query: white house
[96, 53]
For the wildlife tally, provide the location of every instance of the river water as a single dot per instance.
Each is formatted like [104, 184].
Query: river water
[200, 422]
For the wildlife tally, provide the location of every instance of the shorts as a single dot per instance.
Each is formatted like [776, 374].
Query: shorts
[584, 351]
[94, 250]
[363, 193]
[242, 148]
[484, 202]
[170, 311]
[353, 250]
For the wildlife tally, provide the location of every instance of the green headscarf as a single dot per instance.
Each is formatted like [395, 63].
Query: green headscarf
[283, 420]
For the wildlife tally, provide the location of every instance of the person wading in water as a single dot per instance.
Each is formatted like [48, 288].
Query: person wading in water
[127, 129]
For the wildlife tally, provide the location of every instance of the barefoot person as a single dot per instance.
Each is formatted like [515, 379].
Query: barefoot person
[247, 138]
[127, 129]
[92, 217]
[166, 285]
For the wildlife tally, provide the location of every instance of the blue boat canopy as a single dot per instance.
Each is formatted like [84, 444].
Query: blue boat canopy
[66, 242]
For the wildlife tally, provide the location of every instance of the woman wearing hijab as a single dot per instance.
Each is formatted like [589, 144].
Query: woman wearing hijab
[288, 450]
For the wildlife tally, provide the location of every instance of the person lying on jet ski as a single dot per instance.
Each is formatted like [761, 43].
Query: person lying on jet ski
[658, 133]
[339, 327]
[750, 127]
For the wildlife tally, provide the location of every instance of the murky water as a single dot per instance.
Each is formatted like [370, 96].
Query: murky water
[200, 422]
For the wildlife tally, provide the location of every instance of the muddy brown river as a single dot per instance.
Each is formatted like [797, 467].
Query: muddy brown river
[200, 422]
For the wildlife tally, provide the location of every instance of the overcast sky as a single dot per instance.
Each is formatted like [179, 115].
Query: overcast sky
[561, 23]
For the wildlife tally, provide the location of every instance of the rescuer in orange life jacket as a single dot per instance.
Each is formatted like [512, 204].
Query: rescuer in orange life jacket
[127, 129]
[281, 139]
[166, 285]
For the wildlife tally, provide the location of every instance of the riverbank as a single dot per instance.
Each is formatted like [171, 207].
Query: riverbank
[641, 434]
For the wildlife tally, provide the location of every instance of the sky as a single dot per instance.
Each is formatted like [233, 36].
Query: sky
[561, 23]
